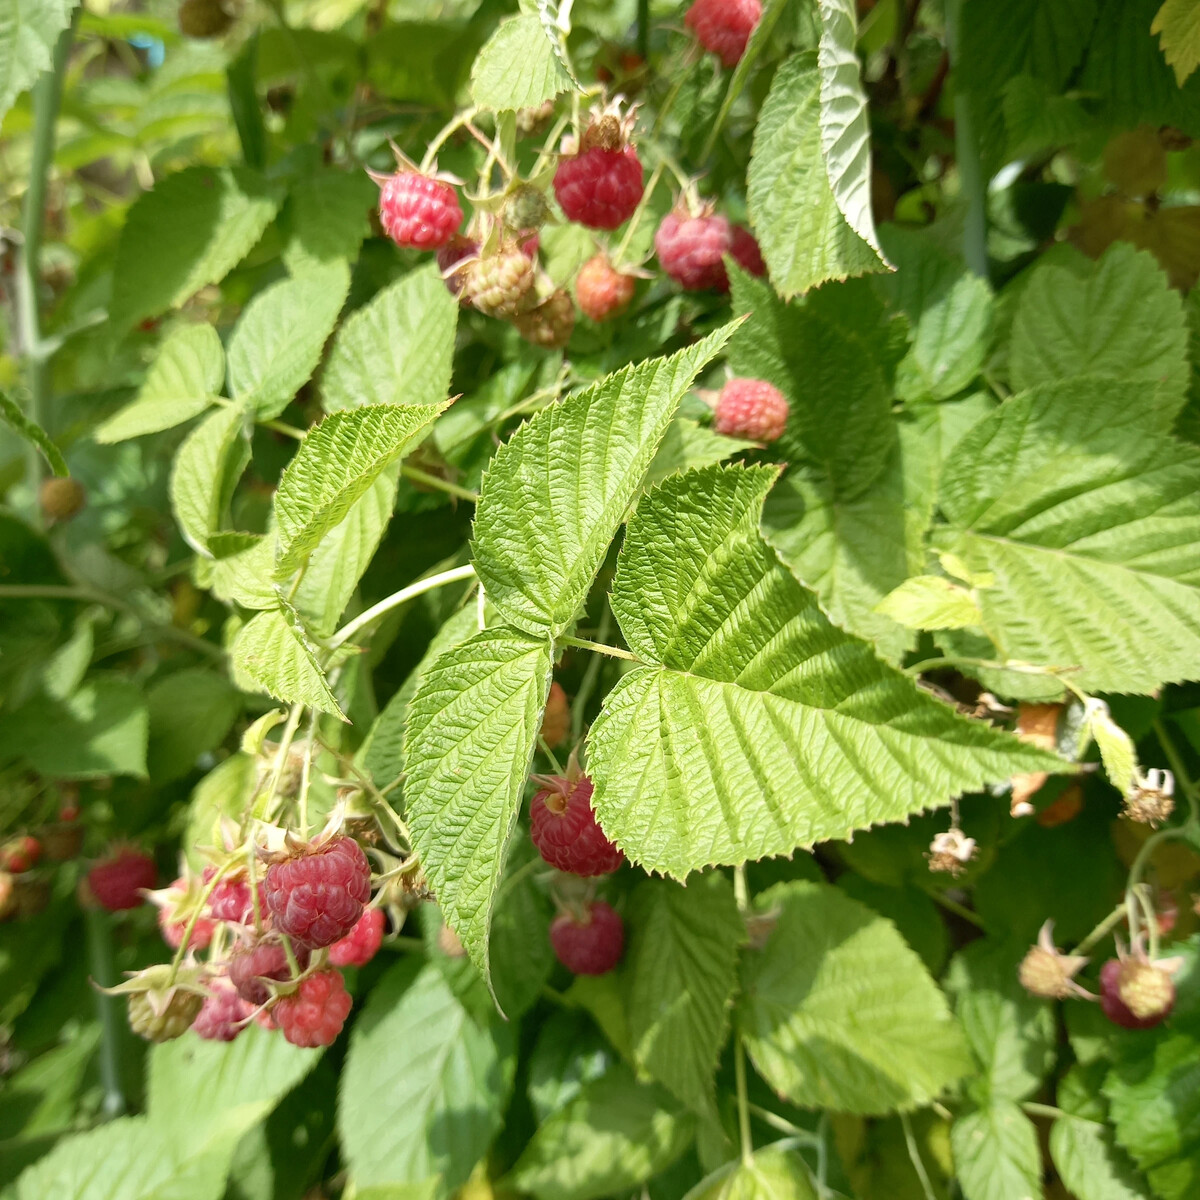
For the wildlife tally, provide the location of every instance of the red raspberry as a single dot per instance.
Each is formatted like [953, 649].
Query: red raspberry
[450, 255]
[1121, 990]
[418, 211]
[724, 26]
[222, 1014]
[315, 1013]
[691, 248]
[174, 914]
[362, 943]
[599, 188]
[744, 251]
[550, 324]
[751, 409]
[590, 946]
[231, 901]
[20, 855]
[501, 284]
[316, 896]
[556, 719]
[601, 290]
[118, 882]
[251, 965]
[564, 829]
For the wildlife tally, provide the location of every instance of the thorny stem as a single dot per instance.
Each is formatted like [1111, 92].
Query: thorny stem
[1045, 1110]
[959, 910]
[590, 676]
[1150, 917]
[914, 1155]
[436, 481]
[782, 1125]
[456, 123]
[1113, 919]
[100, 966]
[596, 647]
[545, 747]
[405, 594]
[741, 893]
[743, 1103]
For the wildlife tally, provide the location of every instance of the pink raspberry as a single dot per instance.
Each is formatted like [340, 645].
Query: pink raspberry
[118, 882]
[222, 1013]
[1135, 994]
[362, 943]
[564, 829]
[744, 251]
[317, 895]
[752, 409]
[724, 26]
[690, 250]
[314, 1014]
[450, 256]
[591, 945]
[231, 901]
[251, 966]
[598, 187]
[418, 211]
[603, 291]
[174, 914]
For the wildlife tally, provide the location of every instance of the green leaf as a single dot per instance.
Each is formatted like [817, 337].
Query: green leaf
[224, 792]
[613, 1136]
[750, 692]
[773, 1173]
[101, 730]
[328, 215]
[1089, 1163]
[207, 466]
[424, 1086]
[33, 433]
[472, 728]
[570, 1052]
[555, 495]
[181, 384]
[522, 958]
[1011, 1033]
[277, 343]
[838, 1012]
[272, 654]
[395, 350]
[244, 577]
[66, 667]
[1089, 520]
[517, 67]
[686, 446]
[1117, 751]
[337, 463]
[1122, 322]
[1177, 24]
[338, 562]
[996, 1154]
[28, 32]
[805, 239]
[190, 230]
[191, 711]
[931, 602]
[845, 133]
[679, 974]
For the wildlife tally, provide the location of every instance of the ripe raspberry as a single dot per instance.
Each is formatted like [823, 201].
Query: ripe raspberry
[250, 966]
[501, 284]
[590, 946]
[690, 250]
[745, 252]
[564, 829]
[1119, 986]
[61, 499]
[222, 1013]
[550, 324]
[118, 882]
[21, 854]
[175, 911]
[315, 1013]
[751, 409]
[601, 290]
[556, 719]
[316, 896]
[362, 943]
[162, 1019]
[724, 26]
[599, 188]
[418, 211]
[455, 251]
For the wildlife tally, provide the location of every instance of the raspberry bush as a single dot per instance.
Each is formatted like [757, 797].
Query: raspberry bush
[599, 600]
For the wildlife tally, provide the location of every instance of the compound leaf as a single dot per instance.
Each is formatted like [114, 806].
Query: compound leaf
[272, 654]
[517, 67]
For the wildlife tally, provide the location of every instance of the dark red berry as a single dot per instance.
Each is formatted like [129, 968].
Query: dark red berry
[724, 26]
[1116, 988]
[314, 1014]
[362, 943]
[751, 409]
[744, 250]
[317, 895]
[251, 966]
[564, 828]
[418, 211]
[20, 854]
[691, 250]
[590, 945]
[222, 1014]
[599, 188]
[119, 882]
[603, 291]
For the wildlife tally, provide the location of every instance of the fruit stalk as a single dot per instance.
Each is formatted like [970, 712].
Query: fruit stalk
[405, 594]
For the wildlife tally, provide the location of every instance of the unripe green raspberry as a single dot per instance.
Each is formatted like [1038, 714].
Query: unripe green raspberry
[173, 1018]
[550, 324]
[501, 284]
[526, 210]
